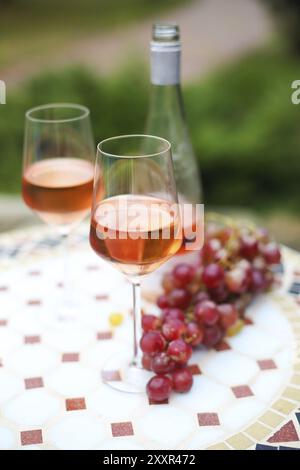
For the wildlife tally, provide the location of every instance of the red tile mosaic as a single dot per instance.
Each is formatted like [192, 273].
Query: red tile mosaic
[104, 335]
[164, 402]
[222, 346]
[73, 404]
[208, 419]
[3, 288]
[34, 273]
[70, 357]
[111, 375]
[31, 437]
[32, 339]
[122, 429]
[242, 391]
[194, 369]
[285, 434]
[1, 363]
[3, 322]
[34, 382]
[248, 321]
[100, 297]
[266, 364]
[34, 302]
[60, 285]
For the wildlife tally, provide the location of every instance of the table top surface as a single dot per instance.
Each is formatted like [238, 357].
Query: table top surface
[246, 394]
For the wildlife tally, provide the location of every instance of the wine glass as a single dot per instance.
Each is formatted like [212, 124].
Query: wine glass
[135, 226]
[58, 170]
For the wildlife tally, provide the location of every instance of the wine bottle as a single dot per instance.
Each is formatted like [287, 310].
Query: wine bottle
[166, 117]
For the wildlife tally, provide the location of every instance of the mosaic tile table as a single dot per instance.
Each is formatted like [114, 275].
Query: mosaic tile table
[246, 394]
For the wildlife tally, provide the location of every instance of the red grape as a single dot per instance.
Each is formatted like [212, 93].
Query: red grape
[228, 315]
[210, 249]
[173, 329]
[147, 361]
[213, 275]
[168, 282]
[150, 322]
[224, 234]
[174, 313]
[179, 298]
[152, 342]
[183, 274]
[249, 247]
[206, 313]
[258, 281]
[219, 294]
[194, 334]
[162, 363]
[182, 380]
[200, 297]
[237, 280]
[179, 351]
[163, 301]
[212, 336]
[259, 263]
[271, 253]
[159, 388]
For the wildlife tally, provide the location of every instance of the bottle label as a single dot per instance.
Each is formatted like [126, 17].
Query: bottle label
[165, 64]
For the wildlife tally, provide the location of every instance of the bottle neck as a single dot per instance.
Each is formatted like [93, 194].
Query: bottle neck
[165, 63]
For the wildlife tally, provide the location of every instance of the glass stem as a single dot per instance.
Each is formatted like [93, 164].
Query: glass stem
[66, 279]
[137, 323]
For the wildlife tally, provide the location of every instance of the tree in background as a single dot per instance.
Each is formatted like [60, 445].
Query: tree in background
[288, 13]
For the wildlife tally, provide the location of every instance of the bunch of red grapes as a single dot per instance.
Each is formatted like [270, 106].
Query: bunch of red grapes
[203, 302]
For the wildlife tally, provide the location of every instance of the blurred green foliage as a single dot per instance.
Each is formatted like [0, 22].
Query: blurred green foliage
[30, 28]
[244, 127]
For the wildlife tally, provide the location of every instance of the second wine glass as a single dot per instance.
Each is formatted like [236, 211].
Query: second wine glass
[58, 170]
[135, 224]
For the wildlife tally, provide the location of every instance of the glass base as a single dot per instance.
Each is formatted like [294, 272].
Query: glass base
[121, 374]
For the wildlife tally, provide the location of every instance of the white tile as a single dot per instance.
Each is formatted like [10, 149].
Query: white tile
[72, 379]
[205, 395]
[166, 426]
[120, 443]
[255, 342]
[267, 314]
[268, 384]
[10, 385]
[284, 359]
[113, 404]
[28, 324]
[32, 360]
[103, 350]
[230, 368]
[69, 339]
[32, 408]
[241, 412]
[78, 431]
[7, 438]
[204, 437]
[9, 341]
